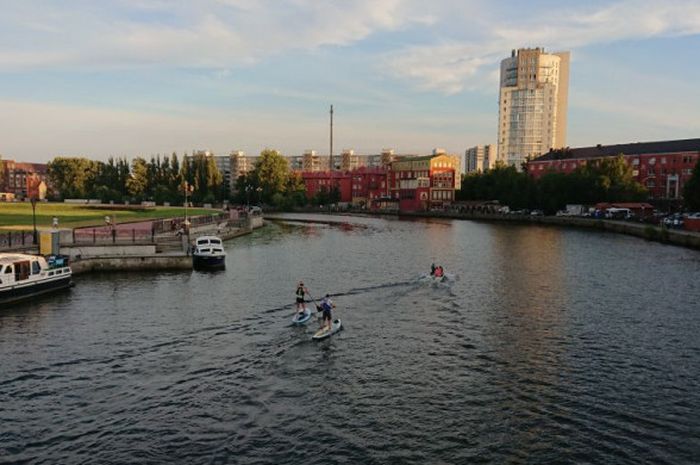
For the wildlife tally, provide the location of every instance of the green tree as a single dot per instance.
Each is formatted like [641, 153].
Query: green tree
[2, 174]
[73, 177]
[613, 180]
[271, 173]
[691, 190]
[138, 183]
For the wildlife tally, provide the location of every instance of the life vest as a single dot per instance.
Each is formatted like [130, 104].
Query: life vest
[300, 291]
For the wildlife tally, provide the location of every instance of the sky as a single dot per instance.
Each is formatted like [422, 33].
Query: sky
[138, 77]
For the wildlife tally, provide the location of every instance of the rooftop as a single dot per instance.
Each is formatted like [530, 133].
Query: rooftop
[635, 148]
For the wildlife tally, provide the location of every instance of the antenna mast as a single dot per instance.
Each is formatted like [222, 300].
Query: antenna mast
[330, 159]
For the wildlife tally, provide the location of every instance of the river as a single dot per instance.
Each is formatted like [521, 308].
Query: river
[547, 345]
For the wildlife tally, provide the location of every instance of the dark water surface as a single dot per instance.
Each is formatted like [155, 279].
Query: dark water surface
[550, 346]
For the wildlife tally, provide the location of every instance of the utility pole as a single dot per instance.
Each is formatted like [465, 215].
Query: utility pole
[330, 165]
[330, 160]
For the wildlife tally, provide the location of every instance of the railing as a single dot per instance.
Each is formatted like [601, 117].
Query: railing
[174, 224]
[114, 236]
[14, 239]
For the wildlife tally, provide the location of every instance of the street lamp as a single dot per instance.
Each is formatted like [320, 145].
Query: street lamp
[33, 201]
[188, 189]
[248, 188]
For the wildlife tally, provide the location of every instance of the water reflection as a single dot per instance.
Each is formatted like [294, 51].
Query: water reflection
[519, 360]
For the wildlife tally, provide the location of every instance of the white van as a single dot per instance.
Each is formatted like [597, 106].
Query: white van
[618, 213]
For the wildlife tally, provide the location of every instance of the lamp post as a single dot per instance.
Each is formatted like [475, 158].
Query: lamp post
[248, 187]
[188, 189]
[258, 190]
[33, 201]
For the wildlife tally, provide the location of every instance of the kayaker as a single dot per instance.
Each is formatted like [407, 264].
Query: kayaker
[438, 272]
[326, 306]
[301, 291]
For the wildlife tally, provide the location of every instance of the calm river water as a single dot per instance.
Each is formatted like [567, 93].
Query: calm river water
[548, 346]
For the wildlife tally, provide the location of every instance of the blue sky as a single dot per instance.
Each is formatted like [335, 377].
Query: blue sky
[138, 77]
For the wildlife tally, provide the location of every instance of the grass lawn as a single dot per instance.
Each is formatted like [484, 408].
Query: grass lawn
[19, 215]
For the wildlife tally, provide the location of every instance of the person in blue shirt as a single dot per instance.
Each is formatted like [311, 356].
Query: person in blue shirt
[327, 317]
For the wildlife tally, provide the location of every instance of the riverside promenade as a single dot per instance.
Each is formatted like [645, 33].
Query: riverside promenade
[160, 244]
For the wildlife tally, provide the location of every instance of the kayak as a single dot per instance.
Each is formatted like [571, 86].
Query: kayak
[324, 333]
[301, 318]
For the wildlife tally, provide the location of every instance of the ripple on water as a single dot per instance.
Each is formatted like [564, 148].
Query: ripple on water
[561, 354]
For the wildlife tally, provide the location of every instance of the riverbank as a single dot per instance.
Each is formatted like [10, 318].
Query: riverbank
[644, 231]
[146, 256]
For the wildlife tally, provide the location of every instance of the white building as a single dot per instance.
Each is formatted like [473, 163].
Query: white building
[533, 102]
[479, 158]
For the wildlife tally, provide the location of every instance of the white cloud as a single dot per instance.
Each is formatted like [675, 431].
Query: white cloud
[211, 33]
[467, 64]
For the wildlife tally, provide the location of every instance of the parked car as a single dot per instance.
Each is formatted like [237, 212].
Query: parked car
[674, 221]
[536, 213]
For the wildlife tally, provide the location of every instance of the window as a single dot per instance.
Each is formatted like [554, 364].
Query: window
[36, 269]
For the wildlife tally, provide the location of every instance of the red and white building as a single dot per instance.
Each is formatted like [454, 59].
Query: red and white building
[662, 167]
[23, 180]
[424, 183]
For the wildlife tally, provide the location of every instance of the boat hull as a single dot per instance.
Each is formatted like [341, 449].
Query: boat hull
[201, 262]
[22, 292]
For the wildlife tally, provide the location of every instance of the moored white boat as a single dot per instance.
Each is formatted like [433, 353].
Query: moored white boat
[208, 253]
[24, 276]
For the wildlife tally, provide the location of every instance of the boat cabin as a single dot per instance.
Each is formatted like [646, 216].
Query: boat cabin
[17, 268]
[209, 245]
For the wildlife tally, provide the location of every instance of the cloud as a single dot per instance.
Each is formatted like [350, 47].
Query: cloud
[453, 66]
[206, 33]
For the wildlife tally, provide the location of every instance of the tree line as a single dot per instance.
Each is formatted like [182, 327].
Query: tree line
[163, 179]
[606, 180]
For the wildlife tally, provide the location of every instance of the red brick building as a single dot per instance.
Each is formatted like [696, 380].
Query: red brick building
[315, 181]
[423, 183]
[368, 184]
[23, 179]
[662, 167]
[357, 187]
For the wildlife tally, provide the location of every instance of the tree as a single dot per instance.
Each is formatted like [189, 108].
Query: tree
[72, 177]
[613, 180]
[138, 183]
[272, 173]
[2, 174]
[691, 190]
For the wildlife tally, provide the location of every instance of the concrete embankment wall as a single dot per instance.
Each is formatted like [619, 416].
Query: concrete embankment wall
[143, 263]
[112, 250]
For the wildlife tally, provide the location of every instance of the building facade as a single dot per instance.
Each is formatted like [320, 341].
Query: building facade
[24, 180]
[662, 167]
[424, 183]
[479, 158]
[317, 181]
[533, 101]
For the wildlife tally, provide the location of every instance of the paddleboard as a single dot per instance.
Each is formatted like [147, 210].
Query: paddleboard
[324, 333]
[301, 318]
